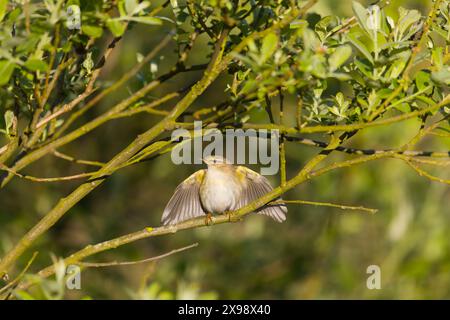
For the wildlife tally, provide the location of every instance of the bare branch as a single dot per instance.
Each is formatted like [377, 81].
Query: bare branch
[127, 263]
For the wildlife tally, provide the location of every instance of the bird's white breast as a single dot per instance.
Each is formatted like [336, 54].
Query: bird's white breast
[219, 191]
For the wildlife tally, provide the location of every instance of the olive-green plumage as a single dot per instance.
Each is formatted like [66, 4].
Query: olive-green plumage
[221, 188]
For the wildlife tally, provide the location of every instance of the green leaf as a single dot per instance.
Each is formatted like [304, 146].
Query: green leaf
[437, 57]
[310, 40]
[361, 47]
[130, 6]
[3, 6]
[364, 68]
[340, 76]
[373, 101]
[423, 80]
[116, 27]
[426, 100]
[442, 76]
[339, 56]
[406, 19]
[6, 70]
[318, 66]
[298, 24]
[92, 31]
[340, 98]
[373, 21]
[36, 65]
[133, 7]
[269, 46]
[403, 107]
[14, 14]
[361, 15]
[88, 63]
[321, 27]
[23, 295]
[335, 111]
[9, 119]
[146, 20]
[396, 69]
[384, 93]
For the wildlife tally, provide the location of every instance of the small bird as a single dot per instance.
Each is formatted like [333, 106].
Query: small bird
[220, 189]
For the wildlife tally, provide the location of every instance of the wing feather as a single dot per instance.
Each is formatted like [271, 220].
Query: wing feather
[257, 186]
[185, 203]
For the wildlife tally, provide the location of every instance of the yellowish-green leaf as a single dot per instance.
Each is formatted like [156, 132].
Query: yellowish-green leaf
[6, 70]
[36, 65]
[423, 80]
[361, 15]
[92, 31]
[147, 20]
[437, 57]
[116, 27]
[3, 6]
[9, 120]
[361, 47]
[442, 76]
[130, 6]
[339, 57]
[396, 69]
[269, 46]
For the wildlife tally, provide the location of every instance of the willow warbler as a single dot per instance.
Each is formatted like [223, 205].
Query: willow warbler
[219, 189]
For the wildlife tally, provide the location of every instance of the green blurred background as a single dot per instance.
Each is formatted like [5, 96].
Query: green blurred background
[318, 253]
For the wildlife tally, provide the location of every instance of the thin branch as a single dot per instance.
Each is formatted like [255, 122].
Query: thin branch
[193, 13]
[14, 282]
[440, 163]
[422, 172]
[55, 179]
[440, 134]
[350, 150]
[352, 162]
[80, 161]
[269, 109]
[128, 263]
[150, 107]
[7, 150]
[423, 132]
[48, 86]
[325, 204]
[282, 144]
[66, 108]
[299, 111]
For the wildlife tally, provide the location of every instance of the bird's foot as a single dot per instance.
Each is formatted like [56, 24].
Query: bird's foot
[229, 215]
[208, 219]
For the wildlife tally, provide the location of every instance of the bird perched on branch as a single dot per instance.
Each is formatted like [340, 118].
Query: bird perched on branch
[220, 189]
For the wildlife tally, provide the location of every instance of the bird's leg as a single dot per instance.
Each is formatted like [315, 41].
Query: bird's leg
[208, 219]
[228, 214]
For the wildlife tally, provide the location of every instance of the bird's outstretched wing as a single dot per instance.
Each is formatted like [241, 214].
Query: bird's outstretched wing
[185, 203]
[255, 186]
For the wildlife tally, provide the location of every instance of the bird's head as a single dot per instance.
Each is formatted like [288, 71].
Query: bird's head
[215, 160]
